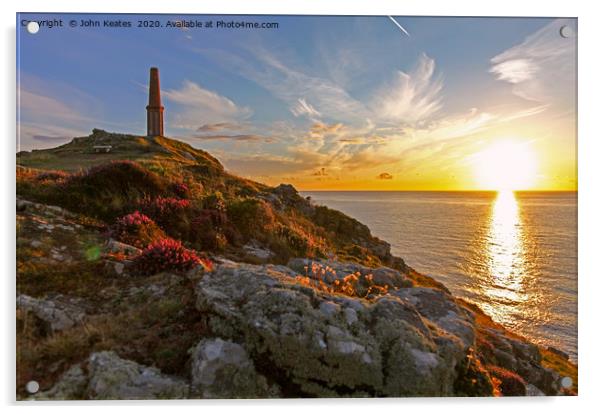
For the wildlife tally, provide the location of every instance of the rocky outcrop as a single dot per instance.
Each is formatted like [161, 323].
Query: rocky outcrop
[223, 369]
[57, 314]
[106, 376]
[524, 358]
[314, 343]
[381, 276]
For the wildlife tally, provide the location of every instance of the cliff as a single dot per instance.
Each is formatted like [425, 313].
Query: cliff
[151, 272]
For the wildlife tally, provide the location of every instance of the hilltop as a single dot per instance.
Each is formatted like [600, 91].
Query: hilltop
[149, 271]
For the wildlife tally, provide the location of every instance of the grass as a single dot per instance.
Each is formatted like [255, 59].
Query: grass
[149, 330]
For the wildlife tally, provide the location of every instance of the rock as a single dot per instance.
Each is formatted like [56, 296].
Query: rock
[35, 244]
[287, 195]
[113, 246]
[106, 376]
[188, 156]
[381, 276]
[57, 314]
[71, 386]
[117, 268]
[533, 391]
[22, 204]
[524, 359]
[114, 378]
[440, 308]
[253, 249]
[299, 333]
[222, 369]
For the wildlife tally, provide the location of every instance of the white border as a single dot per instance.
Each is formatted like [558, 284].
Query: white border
[590, 174]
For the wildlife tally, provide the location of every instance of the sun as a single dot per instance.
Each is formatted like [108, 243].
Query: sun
[506, 165]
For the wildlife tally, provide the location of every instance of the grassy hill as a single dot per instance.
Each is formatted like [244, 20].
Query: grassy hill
[223, 212]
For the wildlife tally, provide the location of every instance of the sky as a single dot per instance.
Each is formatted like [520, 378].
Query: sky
[322, 102]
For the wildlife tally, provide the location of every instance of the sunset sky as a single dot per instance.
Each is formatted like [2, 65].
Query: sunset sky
[347, 103]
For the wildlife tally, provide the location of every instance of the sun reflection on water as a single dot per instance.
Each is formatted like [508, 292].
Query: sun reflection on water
[506, 254]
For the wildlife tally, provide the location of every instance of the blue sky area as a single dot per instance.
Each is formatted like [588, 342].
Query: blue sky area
[332, 99]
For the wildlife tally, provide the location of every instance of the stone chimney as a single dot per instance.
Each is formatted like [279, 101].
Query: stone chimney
[154, 110]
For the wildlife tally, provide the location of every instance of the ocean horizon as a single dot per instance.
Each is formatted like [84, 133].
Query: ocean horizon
[512, 253]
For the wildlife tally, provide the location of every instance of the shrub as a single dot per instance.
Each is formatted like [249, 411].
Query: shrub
[509, 383]
[52, 176]
[118, 177]
[108, 190]
[136, 229]
[206, 230]
[293, 240]
[473, 380]
[171, 214]
[180, 189]
[324, 277]
[166, 255]
[252, 217]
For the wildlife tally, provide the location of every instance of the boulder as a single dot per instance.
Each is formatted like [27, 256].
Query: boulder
[114, 378]
[57, 314]
[114, 246]
[223, 369]
[440, 308]
[321, 344]
[106, 376]
[255, 250]
[71, 386]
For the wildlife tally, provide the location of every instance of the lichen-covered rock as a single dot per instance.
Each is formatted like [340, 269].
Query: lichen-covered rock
[114, 378]
[321, 344]
[114, 246]
[382, 276]
[440, 308]
[106, 376]
[255, 250]
[58, 314]
[223, 369]
[71, 386]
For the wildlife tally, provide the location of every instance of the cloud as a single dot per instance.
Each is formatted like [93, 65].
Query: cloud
[384, 176]
[38, 135]
[219, 127]
[42, 107]
[51, 113]
[303, 108]
[542, 67]
[408, 98]
[240, 137]
[198, 105]
[320, 173]
[413, 96]
[321, 130]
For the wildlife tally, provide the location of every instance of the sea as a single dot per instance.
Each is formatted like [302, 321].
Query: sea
[512, 253]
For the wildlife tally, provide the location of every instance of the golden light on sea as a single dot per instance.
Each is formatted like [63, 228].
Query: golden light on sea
[505, 256]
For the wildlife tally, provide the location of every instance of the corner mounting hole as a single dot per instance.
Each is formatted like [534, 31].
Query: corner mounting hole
[33, 27]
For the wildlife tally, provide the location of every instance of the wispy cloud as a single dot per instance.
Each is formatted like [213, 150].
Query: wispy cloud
[199, 106]
[239, 137]
[219, 126]
[53, 113]
[542, 67]
[411, 97]
[301, 107]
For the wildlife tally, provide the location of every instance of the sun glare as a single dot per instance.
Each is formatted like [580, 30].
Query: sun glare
[506, 165]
